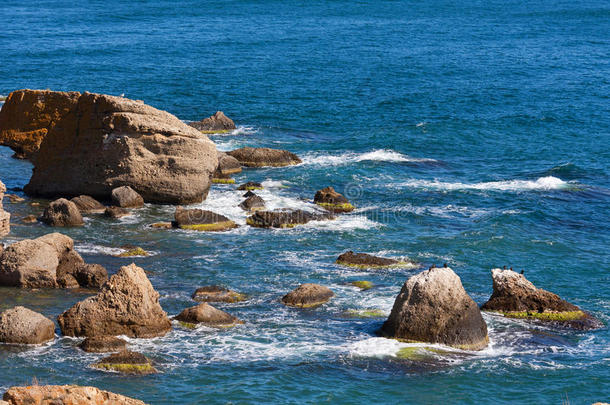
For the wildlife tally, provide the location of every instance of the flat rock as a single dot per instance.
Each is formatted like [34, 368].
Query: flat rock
[126, 197]
[251, 185]
[308, 296]
[103, 344]
[433, 307]
[126, 362]
[116, 212]
[262, 157]
[284, 218]
[216, 123]
[201, 220]
[62, 212]
[216, 293]
[126, 305]
[329, 199]
[516, 297]
[65, 395]
[20, 325]
[206, 314]
[365, 260]
[88, 205]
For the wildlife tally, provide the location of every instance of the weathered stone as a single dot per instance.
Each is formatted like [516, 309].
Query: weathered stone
[516, 297]
[126, 197]
[366, 261]
[217, 123]
[90, 275]
[206, 314]
[116, 212]
[62, 212]
[216, 293]
[284, 218]
[29, 219]
[433, 307]
[5, 217]
[20, 325]
[126, 362]
[107, 142]
[261, 157]
[27, 116]
[88, 205]
[127, 305]
[227, 165]
[103, 344]
[201, 220]
[253, 203]
[308, 295]
[329, 199]
[251, 185]
[65, 395]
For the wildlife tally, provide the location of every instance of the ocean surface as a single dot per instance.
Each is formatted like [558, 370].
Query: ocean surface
[472, 133]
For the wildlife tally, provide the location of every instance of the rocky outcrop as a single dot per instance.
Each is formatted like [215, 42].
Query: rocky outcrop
[216, 123]
[252, 203]
[262, 157]
[5, 217]
[88, 205]
[20, 325]
[329, 199]
[47, 261]
[516, 297]
[207, 315]
[27, 116]
[103, 344]
[126, 197]
[65, 395]
[126, 362]
[251, 185]
[216, 293]
[116, 212]
[433, 307]
[106, 142]
[308, 296]
[367, 261]
[62, 212]
[284, 218]
[201, 220]
[127, 305]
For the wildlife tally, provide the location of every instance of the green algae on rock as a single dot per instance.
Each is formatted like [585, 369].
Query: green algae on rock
[367, 261]
[365, 313]
[201, 220]
[362, 284]
[284, 218]
[138, 251]
[216, 293]
[251, 185]
[332, 201]
[218, 180]
[126, 362]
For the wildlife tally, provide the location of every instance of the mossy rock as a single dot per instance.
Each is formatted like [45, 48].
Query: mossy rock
[223, 181]
[362, 284]
[399, 264]
[251, 222]
[187, 325]
[161, 225]
[213, 227]
[140, 369]
[214, 131]
[134, 252]
[338, 208]
[365, 313]
[565, 316]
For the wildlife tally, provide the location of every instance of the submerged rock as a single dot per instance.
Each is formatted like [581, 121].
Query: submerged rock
[308, 296]
[103, 344]
[126, 362]
[201, 220]
[216, 293]
[29, 219]
[5, 217]
[127, 305]
[261, 157]
[362, 284]
[136, 251]
[217, 123]
[516, 297]
[116, 212]
[253, 203]
[126, 197]
[251, 185]
[20, 325]
[433, 307]
[65, 395]
[367, 261]
[104, 142]
[88, 205]
[329, 199]
[206, 314]
[62, 212]
[284, 218]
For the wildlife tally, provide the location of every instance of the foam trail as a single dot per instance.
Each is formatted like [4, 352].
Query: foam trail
[379, 155]
[542, 183]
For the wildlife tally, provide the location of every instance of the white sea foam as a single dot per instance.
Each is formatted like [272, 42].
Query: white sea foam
[380, 155]
[542, 183]
[90, 248]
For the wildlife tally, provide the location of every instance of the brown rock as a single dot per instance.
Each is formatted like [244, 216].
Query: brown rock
[216, 293]
[253, 203]
[5, 217]
[218, 122]
[88, 205]
[516, 297]
[65, 395]
[103, 344]
[126, 197]
[201, 220]
[251, 185]
[116, 212]
[27, 116]
[29, 219]
[364, 260]
[127, 305]
[126, 362]
[90, 275]
[284, 218]
[329, 199]
[106, 142]
[227, 165]
[261, 157]
[433, 307]
[308, 295]
[20, 325]
[208, 315]
[62, 212]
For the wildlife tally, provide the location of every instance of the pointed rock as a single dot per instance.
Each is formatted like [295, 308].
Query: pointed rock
[329, 199]
[216, 123]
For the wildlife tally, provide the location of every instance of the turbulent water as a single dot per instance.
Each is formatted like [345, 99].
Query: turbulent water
[472, 133]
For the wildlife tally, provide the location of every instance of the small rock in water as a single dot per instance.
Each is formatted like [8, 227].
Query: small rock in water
[88, 205]
[262, 157]
[137, 251]
[251, 185]
[308, 295]
[30, 219]
[367, 261]
[103, 344]
[62, 212]
[20, 325]
[162, 225]
[201, 220]
[216, 293]
[116, 212]
[252, 203]
[284, 218]
[217, 123]
[127, 197]
[329, 199]
[126, 362]
[362, 284]
[206, 314]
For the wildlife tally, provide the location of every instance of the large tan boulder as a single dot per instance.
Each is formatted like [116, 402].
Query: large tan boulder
[62, 212]
[106, 142]
[20, 325]
[516, 297]
[27, 116]
[433, 307]
[127, 305]
[5, 217]
[65, 395]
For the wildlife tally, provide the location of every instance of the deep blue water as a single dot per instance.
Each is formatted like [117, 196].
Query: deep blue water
[473, 133]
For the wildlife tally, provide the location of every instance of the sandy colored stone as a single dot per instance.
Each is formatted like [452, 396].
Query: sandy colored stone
[5, 217]
[218, 122]
[62, 212]
[261, 157]
[65, 395]
[88, 205]
[206, 314]
[20, 325]
[103, 344]
[308, 295]
[126, 197]
[215, 293]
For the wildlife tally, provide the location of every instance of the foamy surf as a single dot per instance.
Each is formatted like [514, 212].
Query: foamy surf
[540, 184]
[379, 155]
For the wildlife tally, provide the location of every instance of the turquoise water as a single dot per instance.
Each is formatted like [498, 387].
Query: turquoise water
[475, 134]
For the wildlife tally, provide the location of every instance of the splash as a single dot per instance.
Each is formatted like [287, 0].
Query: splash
[540, 184]
[379, 155]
